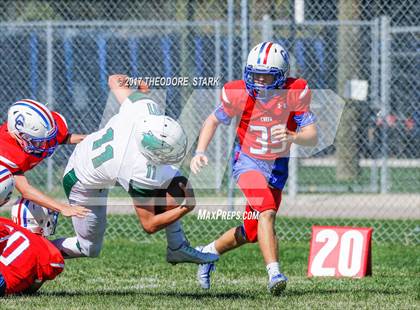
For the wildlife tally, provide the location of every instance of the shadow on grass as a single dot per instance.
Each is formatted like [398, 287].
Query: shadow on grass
[187, 295]
[350, 290]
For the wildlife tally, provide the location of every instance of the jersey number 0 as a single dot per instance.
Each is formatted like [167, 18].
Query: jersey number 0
[16, 245]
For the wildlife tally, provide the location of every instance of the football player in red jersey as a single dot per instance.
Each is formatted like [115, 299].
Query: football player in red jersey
[27, 259]
[31, 134]
[272, 112]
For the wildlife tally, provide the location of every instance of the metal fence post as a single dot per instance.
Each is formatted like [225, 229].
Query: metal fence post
[384, 100]
[231, 137]
[267, 28]
[217, 72]
[50, 95]
[244, 30]
[375, 98]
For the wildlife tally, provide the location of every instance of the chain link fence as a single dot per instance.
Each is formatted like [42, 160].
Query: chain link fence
[62, 53]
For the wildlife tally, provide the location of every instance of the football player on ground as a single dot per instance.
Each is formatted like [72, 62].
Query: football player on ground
[272, 112]
[27, 259]
[31, 134]
[135, 149]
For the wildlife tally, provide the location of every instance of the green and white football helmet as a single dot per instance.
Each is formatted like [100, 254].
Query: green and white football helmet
[162, 140]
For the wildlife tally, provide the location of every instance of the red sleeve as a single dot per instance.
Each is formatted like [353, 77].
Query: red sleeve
[11, 154]
[299, 95]
[227, 104]
[63, 131]
[233, 98]
[51, 262]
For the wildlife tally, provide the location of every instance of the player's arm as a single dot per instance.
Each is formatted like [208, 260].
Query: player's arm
[120, 87]
[206, 135]
[63, 134]
[223, 114]
[152, 222]
[146, 211]
[75, 138]
[31, 193]
[307, 134]
[118, 84]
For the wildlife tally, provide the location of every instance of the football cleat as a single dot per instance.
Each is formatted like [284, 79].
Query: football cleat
[204, 271]
[186, 254]
[277, 284]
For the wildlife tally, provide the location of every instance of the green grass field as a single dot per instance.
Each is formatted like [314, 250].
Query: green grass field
[135, 275]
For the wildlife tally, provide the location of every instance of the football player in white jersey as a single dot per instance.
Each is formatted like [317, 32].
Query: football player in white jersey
[136, 149]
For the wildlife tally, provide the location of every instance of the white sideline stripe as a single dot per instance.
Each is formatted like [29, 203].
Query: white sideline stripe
[8, 162]
[361, 206]
[368, 163]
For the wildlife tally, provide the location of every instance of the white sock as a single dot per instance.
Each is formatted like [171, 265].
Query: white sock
[175, 235]
[211, 248]
[69, 247]
[273, 269]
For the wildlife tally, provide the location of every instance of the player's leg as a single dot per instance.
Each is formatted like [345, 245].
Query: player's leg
[89, 230]
[266, 201]
[237, 236]
[231, 239]
[175, 235]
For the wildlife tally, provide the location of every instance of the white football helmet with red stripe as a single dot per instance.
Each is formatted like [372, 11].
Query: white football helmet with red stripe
[37, 219]
[266, 58]
[33, 125]
[7, 185]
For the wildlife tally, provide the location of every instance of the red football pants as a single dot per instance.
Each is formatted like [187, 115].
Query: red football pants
[260, 197]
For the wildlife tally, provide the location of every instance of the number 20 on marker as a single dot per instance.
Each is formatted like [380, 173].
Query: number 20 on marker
[340, 252]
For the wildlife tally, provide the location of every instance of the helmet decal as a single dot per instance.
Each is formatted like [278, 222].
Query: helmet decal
[285, 55]
[19, 122]
[44, 118]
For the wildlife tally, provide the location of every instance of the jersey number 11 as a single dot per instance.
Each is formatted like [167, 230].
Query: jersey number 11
[106, 155]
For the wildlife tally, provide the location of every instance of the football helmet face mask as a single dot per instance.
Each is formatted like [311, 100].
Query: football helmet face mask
[7, 185]
[34, 127]
[36, 219]
[162, 140]
[266, 58]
